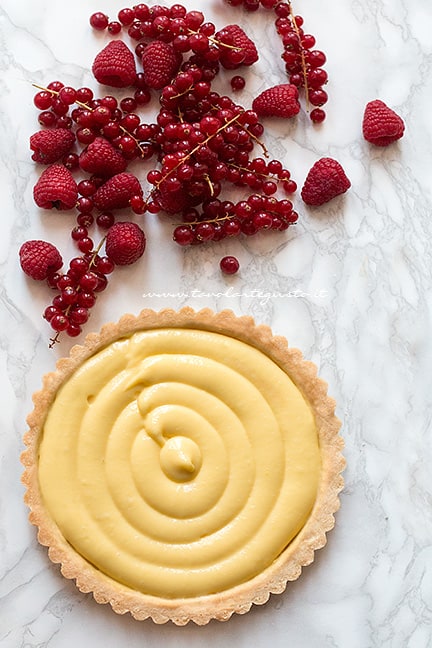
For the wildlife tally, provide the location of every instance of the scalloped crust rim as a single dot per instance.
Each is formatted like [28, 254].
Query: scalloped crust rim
[299, 553]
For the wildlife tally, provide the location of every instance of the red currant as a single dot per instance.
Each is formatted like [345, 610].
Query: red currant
[99, 20]
[229, 265]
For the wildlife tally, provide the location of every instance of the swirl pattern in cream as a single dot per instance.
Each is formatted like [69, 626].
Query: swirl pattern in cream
[179, 462]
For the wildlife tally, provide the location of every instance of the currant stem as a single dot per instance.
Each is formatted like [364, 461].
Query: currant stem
[54, 340]
[210, 184]
[302, 56]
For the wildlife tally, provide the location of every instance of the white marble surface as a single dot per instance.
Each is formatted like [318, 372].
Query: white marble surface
[350, 285]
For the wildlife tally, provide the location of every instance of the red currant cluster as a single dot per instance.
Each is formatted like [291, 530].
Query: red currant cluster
[302, 63]
[78, 288]
[207, 139]
[220, 219]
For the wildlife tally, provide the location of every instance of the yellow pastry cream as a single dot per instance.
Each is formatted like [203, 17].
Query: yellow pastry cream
[180, 462]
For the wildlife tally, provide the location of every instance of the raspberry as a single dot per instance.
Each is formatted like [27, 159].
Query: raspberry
[39, 259]
[125, 243]
[57, 188]
[117, 191]
[115, 65]
[381, 125]
[51, 145]
[278, 101]
[160, 64]
[245, 52]
[102, 159]
[325, 180]
[172, 202]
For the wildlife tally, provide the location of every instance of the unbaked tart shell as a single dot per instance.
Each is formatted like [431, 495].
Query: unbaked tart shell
[298, 553]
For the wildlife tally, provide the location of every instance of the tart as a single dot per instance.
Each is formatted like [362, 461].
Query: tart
[183, 465]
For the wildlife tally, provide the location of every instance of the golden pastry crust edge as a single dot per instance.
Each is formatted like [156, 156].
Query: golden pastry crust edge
[298, 554]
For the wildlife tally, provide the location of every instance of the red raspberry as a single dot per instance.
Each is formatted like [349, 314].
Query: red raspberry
[325, 180]
[39, 259]
[172, 202]
[57, 188]
[160, 64]
[381, 125]
[115, 65]
[117, 191]
[50, 145]
[125, 243]
[278, 101]
[245, 52]
[101, 158]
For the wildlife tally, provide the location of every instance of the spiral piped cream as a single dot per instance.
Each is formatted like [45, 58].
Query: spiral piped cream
[187, 462]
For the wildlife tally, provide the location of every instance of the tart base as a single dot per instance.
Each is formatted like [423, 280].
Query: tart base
[299, 552]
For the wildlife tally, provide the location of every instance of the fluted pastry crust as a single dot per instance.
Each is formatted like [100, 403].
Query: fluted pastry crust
[298, 553]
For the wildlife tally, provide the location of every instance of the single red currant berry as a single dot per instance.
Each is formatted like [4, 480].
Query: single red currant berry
[105, 220]
[84, 205]
[317, 115]
[88, 281]
[99, 20]
[67, 95]
[47, 119]
[128, 105]
[85, 244]
[114, 27]
[318, 97]
[84, 94]
[73, 330]
[59, 322]
[79, 233]
[237, 83]
[101, 115]
[126, 16]
[59, 107]
[229, 265]
[78, 315]
[289, 186]
[78, 265]
[85, 220]
[68, 295]
[85, 135]
[86, 188]
[138, 204]
[205, 231]
[103, 282]
[49, 313]
[315, 58]
[43, 100]
[142, 96]
[56, 86]
[86, 299]
[71, 161]
[183, 235]
[105, 265]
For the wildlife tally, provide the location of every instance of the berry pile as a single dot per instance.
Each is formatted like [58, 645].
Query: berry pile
[199, 143]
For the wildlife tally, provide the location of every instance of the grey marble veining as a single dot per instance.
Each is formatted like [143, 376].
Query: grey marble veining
[350, 285]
